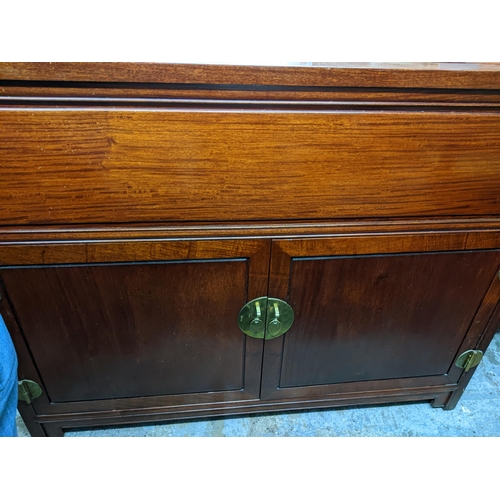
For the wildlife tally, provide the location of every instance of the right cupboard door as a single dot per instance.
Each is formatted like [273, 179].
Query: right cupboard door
[380, 313]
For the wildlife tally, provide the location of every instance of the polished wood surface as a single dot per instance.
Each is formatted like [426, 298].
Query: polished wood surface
[246, 230]
[379, 317]
[348, 307]
[97, 166]
[116, 330]
[141, 205]
[471, 75]
[265, 97]
[130, 251]
[101, 332]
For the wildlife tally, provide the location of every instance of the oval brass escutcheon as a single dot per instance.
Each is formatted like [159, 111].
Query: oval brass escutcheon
[265, 318]
[469, 359]
[28, 390]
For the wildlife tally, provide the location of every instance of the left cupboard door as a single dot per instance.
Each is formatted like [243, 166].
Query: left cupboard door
[131, 325]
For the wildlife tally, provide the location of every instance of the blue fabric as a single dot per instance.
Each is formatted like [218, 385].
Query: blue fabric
[8, 383]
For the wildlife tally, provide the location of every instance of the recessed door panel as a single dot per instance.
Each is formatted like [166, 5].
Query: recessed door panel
[381, 317]
[115, 331]
[373, 318]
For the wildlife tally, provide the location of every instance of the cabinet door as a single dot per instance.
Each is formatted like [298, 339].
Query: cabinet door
[378, 313]
[128, 325]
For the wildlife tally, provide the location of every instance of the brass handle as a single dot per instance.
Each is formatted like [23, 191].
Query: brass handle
[274, 327]
[251, 319]
[265, 318]
[256, 325]
[469, 359]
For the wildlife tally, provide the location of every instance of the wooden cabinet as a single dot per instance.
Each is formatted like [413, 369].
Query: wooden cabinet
[138, 217]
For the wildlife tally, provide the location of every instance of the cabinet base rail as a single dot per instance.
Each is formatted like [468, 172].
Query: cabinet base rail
[56, 425]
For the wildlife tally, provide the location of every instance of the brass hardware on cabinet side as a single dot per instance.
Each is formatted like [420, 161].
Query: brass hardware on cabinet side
[28, 391]
[265, 318]
[469, 359]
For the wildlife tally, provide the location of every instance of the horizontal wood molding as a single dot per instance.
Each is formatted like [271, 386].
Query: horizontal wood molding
[245, 229]
[124, 408]
[386, 244]
[140, 251]
[325, 74]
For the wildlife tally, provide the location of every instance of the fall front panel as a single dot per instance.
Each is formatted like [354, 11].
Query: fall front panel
[88, 165]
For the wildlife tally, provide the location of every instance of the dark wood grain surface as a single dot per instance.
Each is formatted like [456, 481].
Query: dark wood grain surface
[101, 332]
[88, 166]
[376, 318]
[426, 298]
[114, 329]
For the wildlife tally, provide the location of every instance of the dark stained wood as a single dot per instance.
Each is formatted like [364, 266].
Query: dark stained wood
[103, 332]
[30, 419]
[441, 400]
[375, 317]
[53, 430]
[482, 322]
[86, 166]
[484, 342]
[437, 75]
[143, 329]
[68, 422]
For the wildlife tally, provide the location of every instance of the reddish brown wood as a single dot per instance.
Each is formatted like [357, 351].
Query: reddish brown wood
[138, 217]
[129, 330]
[125, 251]
[391, 243]
[380, 317]
[263, 96]
[135, 166]
[65, 422]
[428, 75]
[296, 229]
[104, 332]
[375, 317]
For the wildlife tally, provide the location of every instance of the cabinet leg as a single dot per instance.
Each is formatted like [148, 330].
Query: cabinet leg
[441, 400]
[29, 418]
[454, 399]
[53, 430]
[34, 428]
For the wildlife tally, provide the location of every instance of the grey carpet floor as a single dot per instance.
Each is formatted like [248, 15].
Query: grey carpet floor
[477, 414]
